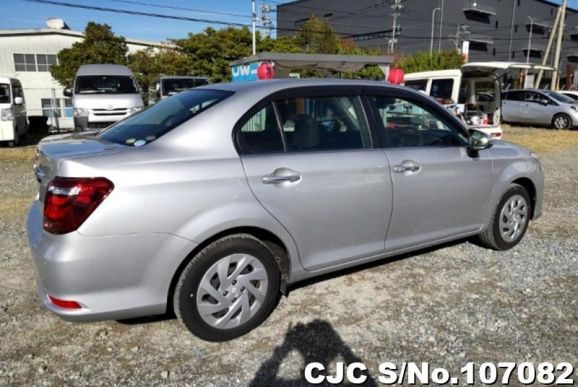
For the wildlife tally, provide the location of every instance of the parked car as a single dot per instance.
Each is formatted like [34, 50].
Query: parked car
[539, 107]
[13, 120]
[102, 95]
[217, 199]
[168, 85]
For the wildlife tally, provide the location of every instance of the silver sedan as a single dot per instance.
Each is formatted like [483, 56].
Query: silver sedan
[215, 200]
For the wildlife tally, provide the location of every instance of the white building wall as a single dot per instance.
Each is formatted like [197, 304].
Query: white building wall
[40, 85]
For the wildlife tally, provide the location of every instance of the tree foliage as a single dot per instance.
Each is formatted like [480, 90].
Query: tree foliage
[99, 45]
[148, 64]
[424, 61]
[317, 37]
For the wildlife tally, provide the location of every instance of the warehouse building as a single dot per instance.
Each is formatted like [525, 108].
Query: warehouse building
[27, 54]
[497, 30]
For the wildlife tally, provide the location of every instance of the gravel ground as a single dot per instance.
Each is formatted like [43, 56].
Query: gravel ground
[447, 306]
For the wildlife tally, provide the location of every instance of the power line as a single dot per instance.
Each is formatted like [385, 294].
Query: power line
[138, 13]
[178, 8]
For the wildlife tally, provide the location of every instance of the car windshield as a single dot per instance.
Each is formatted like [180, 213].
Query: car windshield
[153, 122]
[559, 97]
[176, 85]
[4, 93]
[106, 84]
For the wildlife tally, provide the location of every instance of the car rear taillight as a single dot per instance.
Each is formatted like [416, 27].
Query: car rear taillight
[64, 304]
[70, 201]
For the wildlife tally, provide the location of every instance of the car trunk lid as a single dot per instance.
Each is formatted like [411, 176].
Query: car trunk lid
[54, 152]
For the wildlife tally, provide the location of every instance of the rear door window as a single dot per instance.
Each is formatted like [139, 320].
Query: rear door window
[442, 89]
[260, 133]
[514, 96]
[153, 122]
[324, 123]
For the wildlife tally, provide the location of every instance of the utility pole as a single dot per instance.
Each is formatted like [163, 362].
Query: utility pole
[548, 48]
[530, 39]
[461, 30]
[441, 26]
[254, 17]
[266, 19]
[433, 18]
[555, 77]
[396, 8]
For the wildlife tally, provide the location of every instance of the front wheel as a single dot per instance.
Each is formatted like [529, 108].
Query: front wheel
[228, 288]
[561, 121]
[509, 221]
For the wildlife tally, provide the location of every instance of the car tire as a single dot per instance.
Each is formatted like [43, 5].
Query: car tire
[16, 140]
[561, 121]
[509, 220]
[228, 288]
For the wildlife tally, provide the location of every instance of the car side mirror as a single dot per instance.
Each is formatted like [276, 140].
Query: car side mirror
[67, 92]
[544, 102]
[18, 100]
[479, 141]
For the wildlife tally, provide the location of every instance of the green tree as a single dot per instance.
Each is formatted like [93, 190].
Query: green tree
[100, 45]
[148, 64]
[211, 51]
[424, 61]
[317, 37]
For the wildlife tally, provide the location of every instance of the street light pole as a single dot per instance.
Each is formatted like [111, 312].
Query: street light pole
[441, 25]
[530, 39]
[433, 16]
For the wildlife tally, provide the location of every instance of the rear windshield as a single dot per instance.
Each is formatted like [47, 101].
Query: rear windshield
[151, 123]
[559, 97]
[106, 84]
[176, 85]
[4, 93]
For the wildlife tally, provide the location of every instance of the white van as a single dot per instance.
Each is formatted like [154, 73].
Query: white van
[13, 120]
[472, 92]
[102, 95]
[167, 85]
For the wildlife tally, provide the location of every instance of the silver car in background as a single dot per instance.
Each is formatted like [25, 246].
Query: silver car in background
[540, 108]
[215, 200]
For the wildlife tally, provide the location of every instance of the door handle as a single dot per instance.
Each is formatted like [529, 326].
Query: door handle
[407, 166]
[274, 179]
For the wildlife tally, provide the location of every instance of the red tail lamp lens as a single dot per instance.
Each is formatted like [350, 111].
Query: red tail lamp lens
[70, 201]
[64, 304]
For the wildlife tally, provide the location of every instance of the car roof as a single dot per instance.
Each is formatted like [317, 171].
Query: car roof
[104, 69]
[181, 77]
[274, 85]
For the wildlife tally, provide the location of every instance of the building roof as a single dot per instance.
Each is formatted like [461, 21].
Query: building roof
[323, 61]
[77, 34]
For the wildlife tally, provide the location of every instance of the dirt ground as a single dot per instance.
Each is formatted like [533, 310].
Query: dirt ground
[447, 306]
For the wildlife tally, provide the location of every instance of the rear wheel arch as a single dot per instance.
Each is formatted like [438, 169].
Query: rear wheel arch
[272, 241]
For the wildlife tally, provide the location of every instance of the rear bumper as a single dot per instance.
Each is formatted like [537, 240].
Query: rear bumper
[111, 277]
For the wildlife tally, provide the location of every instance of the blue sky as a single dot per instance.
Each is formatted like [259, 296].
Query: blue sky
[24, 14]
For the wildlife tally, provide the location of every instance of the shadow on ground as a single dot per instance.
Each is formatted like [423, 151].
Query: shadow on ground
[316, 341]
